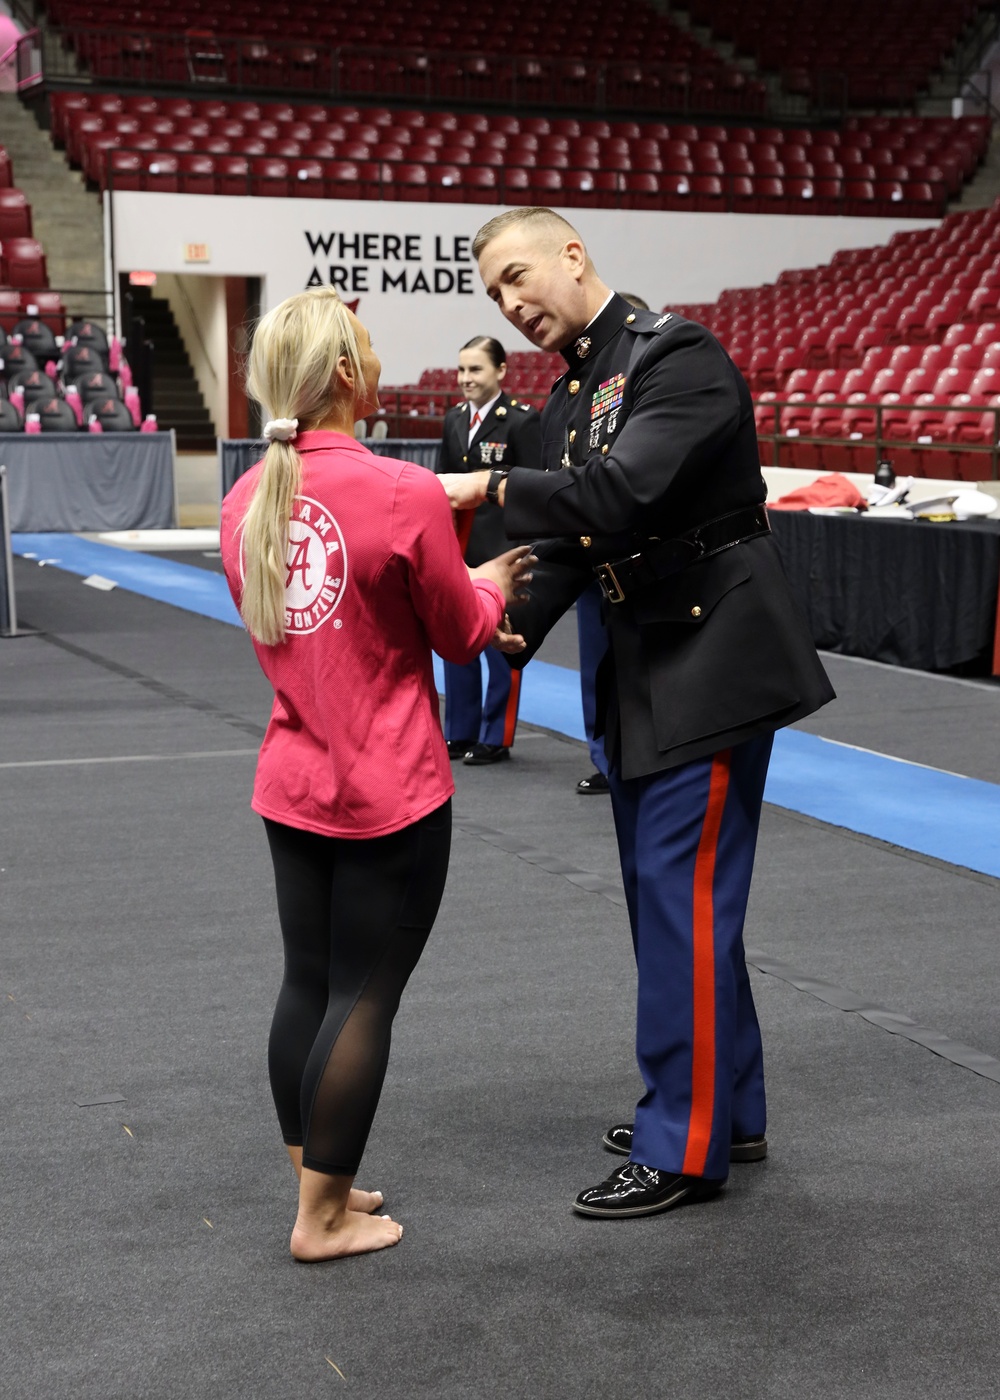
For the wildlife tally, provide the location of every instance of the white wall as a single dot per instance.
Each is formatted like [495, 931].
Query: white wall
[664, 257]
[199, 307]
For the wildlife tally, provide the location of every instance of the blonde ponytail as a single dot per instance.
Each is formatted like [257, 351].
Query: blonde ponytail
[293, 358]
[265, 544]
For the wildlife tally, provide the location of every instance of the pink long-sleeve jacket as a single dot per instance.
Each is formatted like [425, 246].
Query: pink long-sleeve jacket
[374, 581]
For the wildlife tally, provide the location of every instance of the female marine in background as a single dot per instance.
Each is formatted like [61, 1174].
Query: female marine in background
[489, 430]
[347, 572]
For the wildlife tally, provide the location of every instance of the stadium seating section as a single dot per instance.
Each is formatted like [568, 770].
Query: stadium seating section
[908, 333]
[53, 378]
[816, 44]
[912, 328]
[465, 49]
[55, 383]
[908, 166]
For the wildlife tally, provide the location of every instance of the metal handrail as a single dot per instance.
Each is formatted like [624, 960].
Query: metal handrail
[879, 442]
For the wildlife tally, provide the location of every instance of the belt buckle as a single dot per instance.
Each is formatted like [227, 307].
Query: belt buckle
[610, 586]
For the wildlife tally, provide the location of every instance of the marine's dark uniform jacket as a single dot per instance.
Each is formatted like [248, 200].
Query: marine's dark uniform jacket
[656, 424]
[509, 435]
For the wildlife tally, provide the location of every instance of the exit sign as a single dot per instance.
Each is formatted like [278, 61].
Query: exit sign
[197, 253]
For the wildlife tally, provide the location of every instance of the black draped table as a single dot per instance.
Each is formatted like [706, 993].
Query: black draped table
[89, 481]
[908, 592]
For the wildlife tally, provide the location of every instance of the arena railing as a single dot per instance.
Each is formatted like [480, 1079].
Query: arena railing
[613, 191]
[244, 64]
[77, 304]
[8, 602]
[877, 445]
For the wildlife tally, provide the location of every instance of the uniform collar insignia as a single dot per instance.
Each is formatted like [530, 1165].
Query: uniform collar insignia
[501, 412]
[601, 331]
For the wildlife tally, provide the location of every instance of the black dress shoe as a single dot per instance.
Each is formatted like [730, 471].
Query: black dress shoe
[741, 1149]
[481, 754]
[458, 748]
[597, 782]
[637, 1190]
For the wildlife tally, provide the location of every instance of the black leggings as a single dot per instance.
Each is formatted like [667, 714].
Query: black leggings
[355, 916]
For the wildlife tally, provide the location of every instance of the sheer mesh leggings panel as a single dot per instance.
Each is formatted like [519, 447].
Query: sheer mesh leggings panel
[355, 916]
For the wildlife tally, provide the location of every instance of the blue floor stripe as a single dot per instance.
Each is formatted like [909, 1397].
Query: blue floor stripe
[937, 814]
[195, 590]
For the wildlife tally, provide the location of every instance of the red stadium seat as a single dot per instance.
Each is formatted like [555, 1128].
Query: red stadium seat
[197, 175]
[126, 170]
[233, 174]
[984, 304]
[308, 179]
[959, 334]
[951, 382]
[47, 306]
[22, 263]
[918, 381]
[15, 214]
[445, 182]
[709, 193]
[479, 183]
[801, 381]
[407, 181]
[644, 190]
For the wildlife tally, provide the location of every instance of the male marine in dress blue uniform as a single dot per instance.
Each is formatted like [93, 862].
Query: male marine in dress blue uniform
[509, 434]
[660, 498]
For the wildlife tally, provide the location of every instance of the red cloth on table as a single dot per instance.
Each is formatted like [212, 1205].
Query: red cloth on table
[834, 489]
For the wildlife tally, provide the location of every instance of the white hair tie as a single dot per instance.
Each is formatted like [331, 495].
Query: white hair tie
[280, 429]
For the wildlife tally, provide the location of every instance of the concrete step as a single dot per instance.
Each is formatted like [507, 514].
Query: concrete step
[983, 189]
[177, 399]
[67, 218]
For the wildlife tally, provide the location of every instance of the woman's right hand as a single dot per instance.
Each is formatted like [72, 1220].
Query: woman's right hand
[511, 572]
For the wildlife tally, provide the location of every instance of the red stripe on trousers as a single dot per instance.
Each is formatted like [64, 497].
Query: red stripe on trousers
[703, 947]
[510, 714]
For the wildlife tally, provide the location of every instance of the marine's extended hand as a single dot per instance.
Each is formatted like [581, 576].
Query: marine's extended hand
[465, 490]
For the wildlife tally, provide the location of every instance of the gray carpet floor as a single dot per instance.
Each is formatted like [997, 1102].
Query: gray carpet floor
[146, 1239]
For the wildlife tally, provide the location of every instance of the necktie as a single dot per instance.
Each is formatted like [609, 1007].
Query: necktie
[474, 424]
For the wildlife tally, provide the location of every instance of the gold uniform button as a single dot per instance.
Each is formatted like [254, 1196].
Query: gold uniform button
[629, 319]
[574, 386]
[572, 435]
[605, 450]
[696, 611]
[465, 459]
[586, 541]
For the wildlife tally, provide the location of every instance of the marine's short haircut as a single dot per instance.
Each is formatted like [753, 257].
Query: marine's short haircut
[494, 350]
[530, 214]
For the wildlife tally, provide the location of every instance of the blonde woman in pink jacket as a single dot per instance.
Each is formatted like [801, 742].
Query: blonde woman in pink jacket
[347, 572]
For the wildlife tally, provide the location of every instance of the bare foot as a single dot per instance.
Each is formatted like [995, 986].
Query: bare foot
[364, 1201]
[353, 1234]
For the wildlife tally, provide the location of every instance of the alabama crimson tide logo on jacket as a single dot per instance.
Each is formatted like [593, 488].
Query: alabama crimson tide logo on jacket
[315, 567]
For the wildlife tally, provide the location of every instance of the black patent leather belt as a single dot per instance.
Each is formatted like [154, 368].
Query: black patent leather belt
[660, 558]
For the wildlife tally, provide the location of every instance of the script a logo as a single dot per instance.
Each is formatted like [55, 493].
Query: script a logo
[315, 567]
